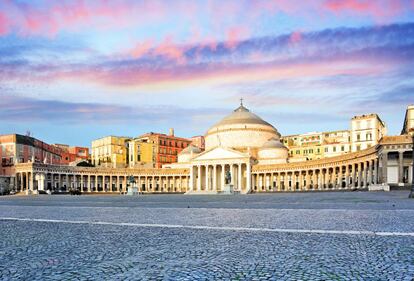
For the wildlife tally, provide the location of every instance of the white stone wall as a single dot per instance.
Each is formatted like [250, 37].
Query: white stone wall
[273, 153]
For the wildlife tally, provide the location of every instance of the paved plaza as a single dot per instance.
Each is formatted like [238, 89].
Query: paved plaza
[301, 236]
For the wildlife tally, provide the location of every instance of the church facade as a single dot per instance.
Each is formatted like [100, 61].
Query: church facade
[243, 154]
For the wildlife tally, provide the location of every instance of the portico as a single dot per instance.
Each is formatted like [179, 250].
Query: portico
[212, 170]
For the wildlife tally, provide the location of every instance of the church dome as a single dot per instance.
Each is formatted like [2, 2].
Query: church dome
[273, 152]
[240, 130]
[273, 143]
[187, 153]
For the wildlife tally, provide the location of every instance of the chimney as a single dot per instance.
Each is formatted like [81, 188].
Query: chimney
[171, 132]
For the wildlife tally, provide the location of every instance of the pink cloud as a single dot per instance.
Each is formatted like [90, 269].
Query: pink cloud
[4, 24]
[234, 35]
[57, 16]
[381, 9]
[295, 37]
[170, 50]
[141, 49]
[211, 74]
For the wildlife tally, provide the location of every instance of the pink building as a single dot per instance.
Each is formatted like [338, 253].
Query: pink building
[198, 141]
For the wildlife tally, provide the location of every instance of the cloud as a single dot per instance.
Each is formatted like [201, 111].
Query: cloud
[4, 24]
[48, 17]
[169, 50]
[235, 35]
[141, 49]
[24, 109]
[344, 51]
[380, 9]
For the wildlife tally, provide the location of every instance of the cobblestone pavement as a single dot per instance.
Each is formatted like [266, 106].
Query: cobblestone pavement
[165, 237]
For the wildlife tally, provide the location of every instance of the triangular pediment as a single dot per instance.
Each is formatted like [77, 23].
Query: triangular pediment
[220, 153]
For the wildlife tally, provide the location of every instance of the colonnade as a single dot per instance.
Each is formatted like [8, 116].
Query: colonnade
[344, 176]
[61, 182]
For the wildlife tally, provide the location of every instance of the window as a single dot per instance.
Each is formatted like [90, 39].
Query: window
[297, 151]
[326, 149]
[342, 148]
[139, 157]
[358, 137]
[334, 149]
[358, 148]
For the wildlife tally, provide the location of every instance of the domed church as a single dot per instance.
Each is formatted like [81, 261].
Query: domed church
[233, 145]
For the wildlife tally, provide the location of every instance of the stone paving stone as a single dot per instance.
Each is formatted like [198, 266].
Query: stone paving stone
[62, 251]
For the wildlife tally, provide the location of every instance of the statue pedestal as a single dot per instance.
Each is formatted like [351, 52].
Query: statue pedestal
[132, 191]
[227, 189]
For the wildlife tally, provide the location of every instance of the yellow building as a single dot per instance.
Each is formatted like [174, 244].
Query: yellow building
[110, 151]
[304, 147]
[366, 131]
[142, 153]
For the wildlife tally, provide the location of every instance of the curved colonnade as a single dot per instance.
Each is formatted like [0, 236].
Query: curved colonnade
[350, 171]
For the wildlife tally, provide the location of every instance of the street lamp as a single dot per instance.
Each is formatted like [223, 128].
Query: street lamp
[411, 133]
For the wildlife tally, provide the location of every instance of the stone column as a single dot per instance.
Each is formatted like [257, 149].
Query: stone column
[191, 183]
[110, 183]
[207, 178]
[222, 176]
[256, 181]
[161, 184]
[31, 187]
[307, 179]
[26, 178]
[52, 181]
[364, 174]
[278, 181]
[320, 179]
[21, 182]
[314, 179]
[375, 171]
[89, 184]
[248, 177]
[384, 174]
[215, 178]
[400, 167]
[81, 182]
[75, 181]
[239, 177]
[300, 180]
[347, 176]
[369, 178]
[199, 178]
[359, 175]
[292, 180]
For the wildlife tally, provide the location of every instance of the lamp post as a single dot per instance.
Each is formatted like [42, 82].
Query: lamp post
[411, 132]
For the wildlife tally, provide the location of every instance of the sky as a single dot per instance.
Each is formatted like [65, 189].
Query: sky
[74, 71]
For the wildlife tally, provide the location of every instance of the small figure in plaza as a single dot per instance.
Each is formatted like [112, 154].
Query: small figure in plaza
[228, 177]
